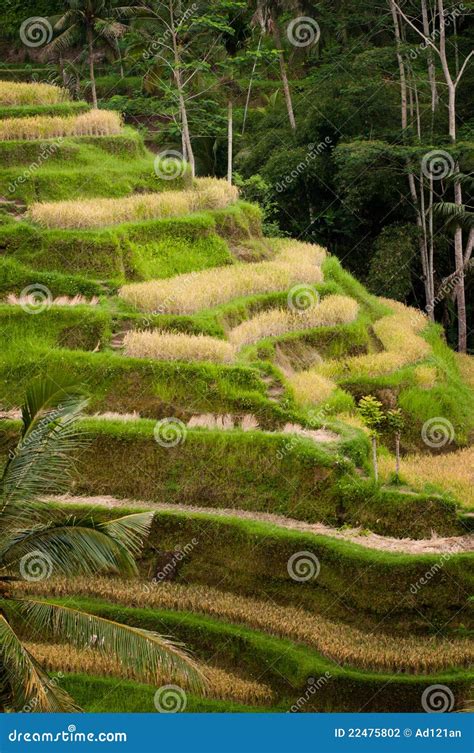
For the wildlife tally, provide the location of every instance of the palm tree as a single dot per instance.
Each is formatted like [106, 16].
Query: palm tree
[266, 16]
[35, 541]
[88, 20]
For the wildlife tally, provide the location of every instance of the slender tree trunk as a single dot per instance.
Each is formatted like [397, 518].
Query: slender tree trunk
[230, 139]
[63, 69]
[283, 72]
[90, 53]
[460, 289]
[401, 66]
[374, 459]
[179, 85]
[430, 59]
[397, 455]
[247, 101]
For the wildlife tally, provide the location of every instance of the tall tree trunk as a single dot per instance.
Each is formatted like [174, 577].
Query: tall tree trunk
[430, 59]
[90, 54]
[397, 455]
[62, 69]
[460, 289]
[374, 458]
[283, 71]
[401, 66]
[229, 138]
[179, 85]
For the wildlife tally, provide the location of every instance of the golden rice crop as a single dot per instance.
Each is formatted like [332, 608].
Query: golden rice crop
[334, 309]
[425, 376]
[343, 643]
[452, 472]
[15, 93]
[92, 123]
[211, 194]
[221, 684]
[311, 388]
[177, 346]
[398, 334]
[185, 294]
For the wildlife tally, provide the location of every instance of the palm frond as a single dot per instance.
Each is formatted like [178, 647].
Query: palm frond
[43, 461]
[454, 215]
[130, 530]
[69, 549]
[25, 685]
[129, 11]
[146, 652]
[65, 40]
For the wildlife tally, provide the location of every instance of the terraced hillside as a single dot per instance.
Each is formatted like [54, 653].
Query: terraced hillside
[223, 371]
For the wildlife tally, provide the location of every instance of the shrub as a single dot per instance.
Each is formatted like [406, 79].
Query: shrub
[170, 346]
[14, 93]
[92, 123]
[94, 213]
[296, 262]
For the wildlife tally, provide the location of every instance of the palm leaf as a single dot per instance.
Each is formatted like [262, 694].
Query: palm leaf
[67, 549]
[65, 40]
[25, 685]
[42, 462]
[130, 530]
[148, 653]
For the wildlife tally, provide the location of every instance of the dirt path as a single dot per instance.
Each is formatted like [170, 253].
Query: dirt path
[435, 545]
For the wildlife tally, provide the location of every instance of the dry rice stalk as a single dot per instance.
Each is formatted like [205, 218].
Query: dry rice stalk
[92, 213]
[177, 346]
[221, 684]
[92, 123]
[338, 641]
[452, 472]
[15, 93]
[334, 309]
[185, 294]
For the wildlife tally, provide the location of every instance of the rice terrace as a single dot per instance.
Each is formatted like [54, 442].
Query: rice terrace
[236, 370]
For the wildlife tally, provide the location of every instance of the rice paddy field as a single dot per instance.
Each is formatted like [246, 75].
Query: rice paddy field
[223, 371]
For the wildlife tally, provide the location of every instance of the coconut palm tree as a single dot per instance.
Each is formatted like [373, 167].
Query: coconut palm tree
[36, 541]
[89, 20]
